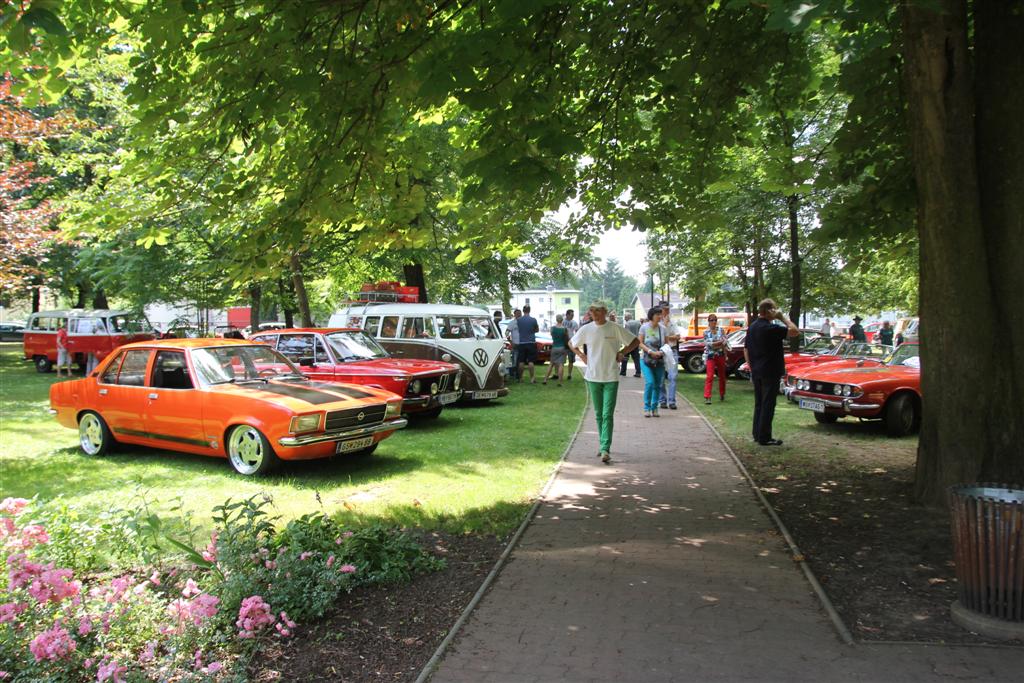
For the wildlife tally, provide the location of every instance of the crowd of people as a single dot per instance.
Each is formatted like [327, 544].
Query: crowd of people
[605, 348]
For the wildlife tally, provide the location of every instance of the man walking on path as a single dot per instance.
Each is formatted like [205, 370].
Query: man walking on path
[572, 326]
[764, 354]
[633, 327]
[607, 344]
[528, 329]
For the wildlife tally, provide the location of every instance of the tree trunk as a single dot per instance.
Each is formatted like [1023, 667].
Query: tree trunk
[795, 303]
[414, 278]
[255, 301]
[286, 303]
[301, 299]
[35, 294]
[99, 299]
[999, 126]
[958, 302]
[506, 288]
[83, 295]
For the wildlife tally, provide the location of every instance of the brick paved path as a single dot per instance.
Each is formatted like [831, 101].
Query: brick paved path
[663, 567]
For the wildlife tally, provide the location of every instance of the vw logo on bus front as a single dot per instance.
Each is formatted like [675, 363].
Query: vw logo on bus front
[480, 357]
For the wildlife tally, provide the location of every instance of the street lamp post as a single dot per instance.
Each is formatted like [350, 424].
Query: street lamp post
[551, 304]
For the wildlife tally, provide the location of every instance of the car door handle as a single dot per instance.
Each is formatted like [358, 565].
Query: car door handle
[154, 395]
[103, 392]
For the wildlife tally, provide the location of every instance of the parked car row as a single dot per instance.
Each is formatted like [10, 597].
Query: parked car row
[285, 394]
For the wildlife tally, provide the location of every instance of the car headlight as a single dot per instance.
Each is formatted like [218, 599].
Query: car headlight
[394, 409]
[801, 385]
[415, 386]
[305, 423]
[847, 390]
[458, 381]
[433, 387]
[837, 389]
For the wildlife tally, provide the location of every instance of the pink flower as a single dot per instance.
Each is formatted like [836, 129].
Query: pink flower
[154, 578]
[111, 671]
[270, 564]
[253, 615]
[213, 668]
[31, 536]
[13, 506]
[21, 570]
[84, 626]
[149, 654]
[287, 622]
[305, 555]
[53, 585]
[330, 561]
[282, 630]
[210, 554]
[9, 611]
[204, 607]
[347, 569]
[52, 644]
[191, 588]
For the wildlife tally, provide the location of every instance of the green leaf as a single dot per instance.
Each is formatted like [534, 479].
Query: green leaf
[44, 19]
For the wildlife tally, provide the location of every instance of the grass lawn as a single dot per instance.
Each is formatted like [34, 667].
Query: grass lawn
[473, 469]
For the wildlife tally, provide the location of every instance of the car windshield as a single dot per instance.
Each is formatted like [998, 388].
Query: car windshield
[818, 345]
[125, 324]
[852, 349]
[737, 338]
[349, 346]
[906, 354]
[224, 364]
[466, 327]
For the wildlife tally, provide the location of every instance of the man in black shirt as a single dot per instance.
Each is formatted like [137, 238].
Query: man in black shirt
[857, 330]
[763, 351]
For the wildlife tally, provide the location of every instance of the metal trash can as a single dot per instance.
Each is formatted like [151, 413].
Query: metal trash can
[988, 548]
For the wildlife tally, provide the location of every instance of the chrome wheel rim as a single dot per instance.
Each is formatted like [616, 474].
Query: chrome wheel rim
[245, 449]
[906, 417]
[90, 434]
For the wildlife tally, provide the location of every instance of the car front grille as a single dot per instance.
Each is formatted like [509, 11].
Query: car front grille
[821, 388]
[350, 418]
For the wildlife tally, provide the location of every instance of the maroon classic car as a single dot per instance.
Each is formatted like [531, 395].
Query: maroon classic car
[889, 391]
[351, 356]
[691, 353]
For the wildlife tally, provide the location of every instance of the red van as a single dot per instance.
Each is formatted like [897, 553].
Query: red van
[89, 331]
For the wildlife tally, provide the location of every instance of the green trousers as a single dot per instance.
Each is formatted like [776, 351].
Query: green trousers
[603, 396]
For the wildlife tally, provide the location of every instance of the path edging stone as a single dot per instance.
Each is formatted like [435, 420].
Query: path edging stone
[435, 659]
[798, 557]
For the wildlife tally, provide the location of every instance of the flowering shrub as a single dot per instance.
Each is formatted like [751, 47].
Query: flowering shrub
[191, 621]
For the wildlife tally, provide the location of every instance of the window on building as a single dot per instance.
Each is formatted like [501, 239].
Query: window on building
[566, 300]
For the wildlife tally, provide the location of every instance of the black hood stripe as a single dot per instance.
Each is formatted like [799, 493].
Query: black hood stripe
[301, 393]
[351, 392]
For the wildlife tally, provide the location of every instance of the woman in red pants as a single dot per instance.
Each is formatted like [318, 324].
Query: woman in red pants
[715, 356]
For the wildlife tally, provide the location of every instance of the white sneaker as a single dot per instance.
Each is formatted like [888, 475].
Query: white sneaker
[647, 413]
[654, 413]
[606, 457]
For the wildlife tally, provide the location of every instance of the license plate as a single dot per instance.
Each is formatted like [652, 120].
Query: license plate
[816, 406]
[485, 394]
[354, 444]
[445, 399]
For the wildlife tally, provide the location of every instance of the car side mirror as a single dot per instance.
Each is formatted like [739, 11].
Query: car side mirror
[306, 362]
[860, 363]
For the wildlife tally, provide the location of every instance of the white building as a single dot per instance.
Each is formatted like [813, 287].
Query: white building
[548, 302]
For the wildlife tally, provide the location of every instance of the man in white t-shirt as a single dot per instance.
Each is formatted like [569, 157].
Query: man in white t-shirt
[607, 344]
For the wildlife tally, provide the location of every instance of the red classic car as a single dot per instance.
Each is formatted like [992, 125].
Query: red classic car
[90, 332]
[691, 353]
[814, 349]
[889, 391]
[350, 355]
[222, 397]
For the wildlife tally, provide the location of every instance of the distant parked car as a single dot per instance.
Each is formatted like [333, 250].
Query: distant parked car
[352, 356]
[224, 398]
[889, 391]
[11, 331]
[691, 353]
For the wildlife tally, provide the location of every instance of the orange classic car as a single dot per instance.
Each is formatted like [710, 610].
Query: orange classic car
[889, 391]
[225, 398]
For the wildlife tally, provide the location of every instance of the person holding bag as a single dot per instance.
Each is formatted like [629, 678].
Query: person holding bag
[652, 338]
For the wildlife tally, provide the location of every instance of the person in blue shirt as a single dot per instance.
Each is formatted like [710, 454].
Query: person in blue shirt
[528, 329]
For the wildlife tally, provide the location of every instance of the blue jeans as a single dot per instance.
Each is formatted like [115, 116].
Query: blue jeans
[668, 387]
[652, 385]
